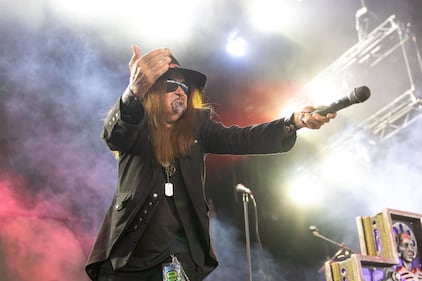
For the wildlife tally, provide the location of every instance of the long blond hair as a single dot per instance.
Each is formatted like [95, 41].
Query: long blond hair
[171, 143]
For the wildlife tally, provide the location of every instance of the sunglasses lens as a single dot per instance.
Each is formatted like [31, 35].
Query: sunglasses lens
[173, 85]
[185, 88]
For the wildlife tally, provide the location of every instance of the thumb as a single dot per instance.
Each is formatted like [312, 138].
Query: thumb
[136, 54]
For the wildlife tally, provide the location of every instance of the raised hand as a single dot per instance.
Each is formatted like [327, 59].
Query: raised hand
[146, 69]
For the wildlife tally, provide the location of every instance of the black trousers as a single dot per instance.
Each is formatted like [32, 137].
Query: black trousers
[153, 274]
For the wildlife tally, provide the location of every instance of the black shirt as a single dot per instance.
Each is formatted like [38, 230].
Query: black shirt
[172, 225]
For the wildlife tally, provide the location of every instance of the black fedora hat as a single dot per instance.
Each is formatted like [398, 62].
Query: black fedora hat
[192, 76]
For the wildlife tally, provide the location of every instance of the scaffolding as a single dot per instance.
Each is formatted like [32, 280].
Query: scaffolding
[379, 45]
[407, 107]
[399, 114]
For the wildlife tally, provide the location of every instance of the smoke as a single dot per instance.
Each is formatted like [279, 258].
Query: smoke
[56, 176]
[365, 178]
[58, 89]
[232, 257]
[41, 239]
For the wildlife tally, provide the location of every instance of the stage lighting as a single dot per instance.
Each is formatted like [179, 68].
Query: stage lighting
[304, 190]
[237, 46]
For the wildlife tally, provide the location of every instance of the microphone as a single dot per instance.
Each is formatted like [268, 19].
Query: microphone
[313, 228]
[358, 95]
[243, 189]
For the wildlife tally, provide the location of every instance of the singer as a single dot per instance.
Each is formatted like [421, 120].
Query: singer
[161, 131]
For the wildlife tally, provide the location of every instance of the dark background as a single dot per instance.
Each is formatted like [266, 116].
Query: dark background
[61, 68]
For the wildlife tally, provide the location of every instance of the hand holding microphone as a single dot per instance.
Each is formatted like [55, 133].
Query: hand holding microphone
[313, 118]
[307, 119]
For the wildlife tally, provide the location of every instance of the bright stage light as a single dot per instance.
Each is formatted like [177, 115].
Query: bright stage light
[322, 92]
[171, 23]
[273, 15]
[319, 92]
[236, 46]
[147, 20]
[304, 190]
[351, 160]
[337, 166]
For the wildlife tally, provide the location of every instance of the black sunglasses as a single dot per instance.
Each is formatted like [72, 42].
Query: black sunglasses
[172, 86]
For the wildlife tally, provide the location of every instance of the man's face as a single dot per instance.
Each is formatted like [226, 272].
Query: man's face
[407, 249]
[173, 97]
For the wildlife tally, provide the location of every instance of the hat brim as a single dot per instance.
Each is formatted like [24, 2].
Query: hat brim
[194, 77]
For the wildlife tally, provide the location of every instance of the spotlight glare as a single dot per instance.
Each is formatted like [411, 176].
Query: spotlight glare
[236, 47]
[273, 15]
[124, 15]
[304, 191]
[322, 92]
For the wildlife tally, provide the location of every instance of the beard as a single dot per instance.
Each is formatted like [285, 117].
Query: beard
[178, 106]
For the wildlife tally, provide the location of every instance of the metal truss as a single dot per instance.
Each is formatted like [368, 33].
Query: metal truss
[406, 108]
[399, 114]
[370, 51]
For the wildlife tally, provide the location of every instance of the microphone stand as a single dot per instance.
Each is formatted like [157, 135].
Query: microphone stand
[248, 243]
[341, 245]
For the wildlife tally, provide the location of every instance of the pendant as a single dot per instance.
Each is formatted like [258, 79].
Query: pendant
[168, 189]
[173, 271]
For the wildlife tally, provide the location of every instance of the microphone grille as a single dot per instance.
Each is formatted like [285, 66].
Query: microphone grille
[360, 94]
[313, 228]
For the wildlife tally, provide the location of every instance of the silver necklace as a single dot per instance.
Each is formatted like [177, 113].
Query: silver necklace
[169, 170]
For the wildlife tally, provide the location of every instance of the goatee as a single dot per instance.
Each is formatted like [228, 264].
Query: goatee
[178, 106]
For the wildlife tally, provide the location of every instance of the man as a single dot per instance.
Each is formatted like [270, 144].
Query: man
[162, 131]
[407, 251]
